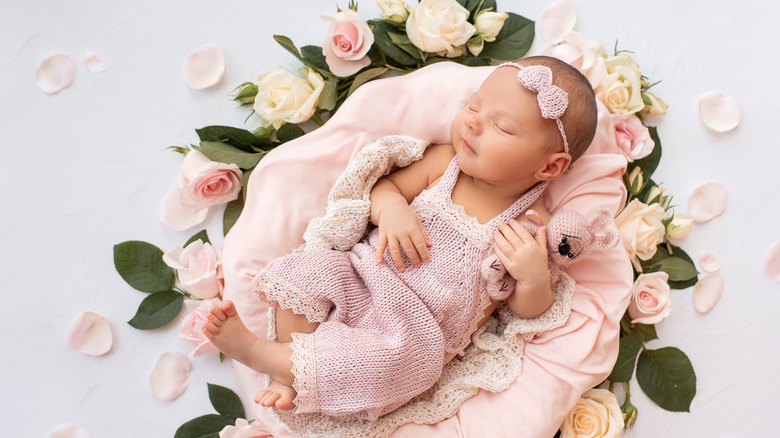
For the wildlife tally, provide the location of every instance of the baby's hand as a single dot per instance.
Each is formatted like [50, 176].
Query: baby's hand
[523, 256]
[400, 228]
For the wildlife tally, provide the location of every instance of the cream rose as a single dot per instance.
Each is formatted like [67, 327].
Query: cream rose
[633, 138]
[202, 183]
[348, 42]
[284, 97]
[243, 429]
[656, 107]
[650, 298]
[393, 10]
[488, 25]
[679, 226]
[440, 26]
[621, 90]
[596, 414]
[585, 55]
[199, 268]
[641, 229]
[191, 329]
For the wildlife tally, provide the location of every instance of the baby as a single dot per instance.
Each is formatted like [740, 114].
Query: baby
[364, 331]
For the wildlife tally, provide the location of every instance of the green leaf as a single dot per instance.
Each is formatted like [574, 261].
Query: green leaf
[667, 377]
[289, 46]
[141, 265]
[677, 264]
[288, 131]
[649, 163]
[624, 366]
[225, 401]
[382, 40]
[647, 331]
[232, 212]
[240, 138]
[473, 61]
[364, 77]
[329, 94]
[202, 235]
[157, 310]
[314, 57]
[225, 153]
[206, 426]
[472, 5]
[513, 41]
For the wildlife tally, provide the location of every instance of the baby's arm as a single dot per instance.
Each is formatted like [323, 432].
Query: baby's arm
[399, 227]
[525, 259]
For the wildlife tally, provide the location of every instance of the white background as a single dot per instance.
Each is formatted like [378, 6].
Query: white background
[85, 169]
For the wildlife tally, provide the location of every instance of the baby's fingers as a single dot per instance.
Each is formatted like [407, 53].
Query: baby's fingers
[395, 253]
[381, 245]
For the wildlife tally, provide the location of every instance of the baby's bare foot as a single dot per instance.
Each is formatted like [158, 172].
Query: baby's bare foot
[278, 395]
[227, 332]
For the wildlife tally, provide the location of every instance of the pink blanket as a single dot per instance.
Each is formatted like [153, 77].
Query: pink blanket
[291, 185]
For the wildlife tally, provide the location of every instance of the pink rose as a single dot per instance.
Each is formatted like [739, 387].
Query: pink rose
[191, 333]
[650, 298]
[632, 137]
[243, 429]
[348, 42]
[202, 183]
[199, 269]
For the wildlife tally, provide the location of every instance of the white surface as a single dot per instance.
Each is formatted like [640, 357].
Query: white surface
[85, 169]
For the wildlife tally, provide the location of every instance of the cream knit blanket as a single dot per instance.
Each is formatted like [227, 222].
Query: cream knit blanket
[492, 361]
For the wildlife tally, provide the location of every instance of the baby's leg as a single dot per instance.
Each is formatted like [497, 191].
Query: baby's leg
[289, 322]
[227, 332]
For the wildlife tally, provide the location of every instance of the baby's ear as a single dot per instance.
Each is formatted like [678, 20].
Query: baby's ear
[557, 164]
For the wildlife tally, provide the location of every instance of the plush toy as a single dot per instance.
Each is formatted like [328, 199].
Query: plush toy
[569, 236]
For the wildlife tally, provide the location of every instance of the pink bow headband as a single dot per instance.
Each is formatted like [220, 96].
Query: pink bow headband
[552, 99]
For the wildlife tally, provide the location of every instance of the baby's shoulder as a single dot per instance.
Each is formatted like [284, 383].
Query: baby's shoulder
[435, 160]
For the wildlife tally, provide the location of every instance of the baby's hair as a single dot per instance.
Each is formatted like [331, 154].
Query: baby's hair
[581, 116]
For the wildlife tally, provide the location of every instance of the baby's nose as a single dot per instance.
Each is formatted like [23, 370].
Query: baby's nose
[474, 124]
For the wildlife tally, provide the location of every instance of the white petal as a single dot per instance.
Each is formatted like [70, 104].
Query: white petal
[772, 261]
[177, 216]
[708, 261]
[90, 334]
[557, 19]
[55, 73]
[94, 63]
[707, 201]
[68, 431]
[707, 292]
[171, 375]
[204, 67]
[718, 112]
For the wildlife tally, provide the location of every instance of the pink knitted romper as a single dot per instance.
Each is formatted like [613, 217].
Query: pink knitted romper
[385, 335]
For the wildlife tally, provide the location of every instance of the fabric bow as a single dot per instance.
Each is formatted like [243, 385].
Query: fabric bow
[552, 99]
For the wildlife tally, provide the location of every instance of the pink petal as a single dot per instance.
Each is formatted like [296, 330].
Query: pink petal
[177, 216]
[68, 431]
[557, 19]
[55, 73]
[707, 292]
[707, 201]
[94, 63]
[170, 376]
[90, 334]
[772, 261]
[708, 261]
[718, 112]
[204, 67]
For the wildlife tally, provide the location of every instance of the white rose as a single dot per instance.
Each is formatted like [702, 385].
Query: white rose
[284, 97]
[621, 90]
[440, 26]
[585, 55]
[488, 24]
[641, 228]
[651, 298]
[596, 414]
[199, 269]
[393, 10]
[657, 107]
[679, 226]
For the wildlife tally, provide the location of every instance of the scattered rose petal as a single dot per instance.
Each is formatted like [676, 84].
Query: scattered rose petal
[68, 431]
[94, 62]
[707, 292]
[707, 201]
[90, 334]
[772, 261]
[171, 375]
[708, 261]
[557, 19]
[55, 73]
[718, 112]
[204, 67]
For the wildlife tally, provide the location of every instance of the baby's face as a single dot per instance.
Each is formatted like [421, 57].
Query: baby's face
[501, 137]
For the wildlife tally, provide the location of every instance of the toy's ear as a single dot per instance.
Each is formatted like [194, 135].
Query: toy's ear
[603, 237]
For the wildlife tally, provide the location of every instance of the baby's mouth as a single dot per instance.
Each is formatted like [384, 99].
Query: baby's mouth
[467, 147]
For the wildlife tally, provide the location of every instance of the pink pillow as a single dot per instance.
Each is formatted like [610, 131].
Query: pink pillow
[290, 187]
